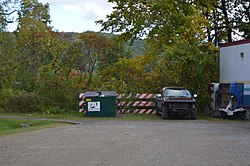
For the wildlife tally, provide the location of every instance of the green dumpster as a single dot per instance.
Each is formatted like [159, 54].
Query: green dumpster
[100, 104]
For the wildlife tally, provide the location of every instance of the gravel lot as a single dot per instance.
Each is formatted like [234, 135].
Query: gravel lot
[131, 143]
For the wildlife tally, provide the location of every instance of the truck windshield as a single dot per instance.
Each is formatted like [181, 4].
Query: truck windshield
[177, 93]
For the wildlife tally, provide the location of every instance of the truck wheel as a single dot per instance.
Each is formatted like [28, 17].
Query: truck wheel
[246, 115]
[157, 110]
[164, 114]
[194, 115]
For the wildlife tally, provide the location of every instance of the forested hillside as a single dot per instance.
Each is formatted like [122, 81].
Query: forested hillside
[161, 43]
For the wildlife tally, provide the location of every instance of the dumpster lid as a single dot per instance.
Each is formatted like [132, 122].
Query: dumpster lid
[91, 94]
[108, 93]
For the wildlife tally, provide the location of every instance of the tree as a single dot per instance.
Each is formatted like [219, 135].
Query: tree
[160, 21]
[124, 76]
[229, 21]
[7, 10]
[34, 10]
[242, 17]
[96, 49]
[8, 60]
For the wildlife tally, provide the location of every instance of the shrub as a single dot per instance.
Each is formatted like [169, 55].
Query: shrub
[5, 96]
[25, 102]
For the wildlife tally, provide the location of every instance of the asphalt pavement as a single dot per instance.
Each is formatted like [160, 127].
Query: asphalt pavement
[131, 143]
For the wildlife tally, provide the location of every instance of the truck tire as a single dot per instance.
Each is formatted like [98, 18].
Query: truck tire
[164, 114]
[247, 114]
[157, 110]
[194, 115]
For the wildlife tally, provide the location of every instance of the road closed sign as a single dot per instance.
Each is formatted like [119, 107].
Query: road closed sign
[94, 106]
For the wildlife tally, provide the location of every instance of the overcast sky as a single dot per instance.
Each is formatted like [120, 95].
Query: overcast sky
[77, 15]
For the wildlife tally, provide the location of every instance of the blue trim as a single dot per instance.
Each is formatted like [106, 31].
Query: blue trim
[246, 100]
[246, 89]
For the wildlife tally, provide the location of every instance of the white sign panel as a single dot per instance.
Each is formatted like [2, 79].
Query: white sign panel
[94, 106]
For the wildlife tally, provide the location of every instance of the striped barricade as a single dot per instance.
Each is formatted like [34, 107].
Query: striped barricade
[82, 103]
[140, 103]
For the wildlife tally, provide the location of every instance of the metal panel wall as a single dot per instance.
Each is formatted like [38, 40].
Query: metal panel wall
[235, 63]
[235, 66]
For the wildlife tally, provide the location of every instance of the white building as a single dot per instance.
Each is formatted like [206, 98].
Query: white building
[235, 65]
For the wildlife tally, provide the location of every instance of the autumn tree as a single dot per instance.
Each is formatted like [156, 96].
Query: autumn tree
[8, 45]
[34, 38]
[97, 50]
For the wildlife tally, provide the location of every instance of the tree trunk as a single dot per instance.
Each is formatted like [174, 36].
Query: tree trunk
[227, 22]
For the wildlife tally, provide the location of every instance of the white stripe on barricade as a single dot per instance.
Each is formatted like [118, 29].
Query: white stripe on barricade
[144, 104]
[82, 103]
[138, 96]
[136, 111]
[123, 103]
[145, 96]
[81, 96]
[82, 110]
[144, 111]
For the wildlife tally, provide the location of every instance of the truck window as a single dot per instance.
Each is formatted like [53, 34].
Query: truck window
[177, 93]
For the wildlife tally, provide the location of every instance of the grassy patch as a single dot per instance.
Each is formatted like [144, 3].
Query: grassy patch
[11, 126]
[81, 116]
[139, 117]
[47, 116]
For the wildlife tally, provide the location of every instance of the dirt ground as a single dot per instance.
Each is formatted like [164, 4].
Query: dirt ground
[131, 143]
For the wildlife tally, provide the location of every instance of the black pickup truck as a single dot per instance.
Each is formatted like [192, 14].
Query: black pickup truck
[176, 101]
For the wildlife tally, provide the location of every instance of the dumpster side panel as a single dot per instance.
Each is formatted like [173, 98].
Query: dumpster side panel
[108, 106]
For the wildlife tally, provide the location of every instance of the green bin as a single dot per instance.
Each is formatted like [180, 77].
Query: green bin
[100, 104]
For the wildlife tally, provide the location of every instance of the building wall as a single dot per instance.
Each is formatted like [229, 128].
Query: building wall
[235, 65]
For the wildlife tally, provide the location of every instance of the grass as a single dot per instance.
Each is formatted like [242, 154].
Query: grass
[11, 126]
[48, 116]
[81, 116]
[139, 117]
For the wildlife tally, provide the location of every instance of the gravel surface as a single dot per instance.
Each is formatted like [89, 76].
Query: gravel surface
[131, 143]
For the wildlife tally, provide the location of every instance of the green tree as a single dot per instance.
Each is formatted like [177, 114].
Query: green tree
[34, 40]
[159, 20]
[8, 9]
[229, 20]
[126, 75]
[8, 59]
[34, 10]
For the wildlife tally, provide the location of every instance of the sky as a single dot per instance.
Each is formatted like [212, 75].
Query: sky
[77, 15]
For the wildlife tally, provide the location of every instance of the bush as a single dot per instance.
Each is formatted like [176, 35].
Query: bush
[2, 110]
[25, 102]
[5, 96]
